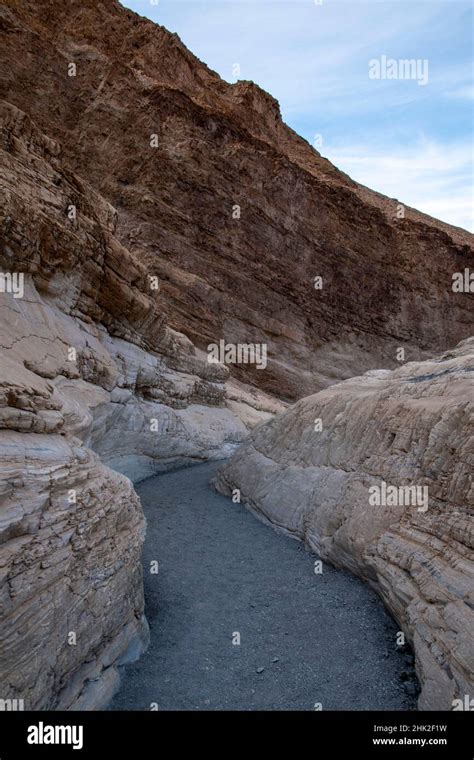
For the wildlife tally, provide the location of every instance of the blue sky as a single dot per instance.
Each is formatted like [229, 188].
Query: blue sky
[408, 140]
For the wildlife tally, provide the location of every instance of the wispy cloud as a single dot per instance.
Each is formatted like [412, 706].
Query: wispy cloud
[465, 93]
[435, 178]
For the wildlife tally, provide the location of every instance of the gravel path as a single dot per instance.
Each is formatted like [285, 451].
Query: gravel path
[304, 638]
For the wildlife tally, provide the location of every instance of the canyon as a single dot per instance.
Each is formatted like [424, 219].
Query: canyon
[105, 378]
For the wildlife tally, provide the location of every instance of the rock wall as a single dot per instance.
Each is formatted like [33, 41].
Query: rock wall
[409, 427]
[90, 321]
[88, 367]
[71, 533]
[386, 280]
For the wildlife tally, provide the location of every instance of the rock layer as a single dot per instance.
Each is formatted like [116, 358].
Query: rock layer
[88, 367]
[409, 427]
[174, 149]
[90, 321]
[71, 533]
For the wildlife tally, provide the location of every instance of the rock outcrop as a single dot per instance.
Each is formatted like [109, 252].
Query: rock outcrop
[89, 320]
[176, 150]
[408, 428]
[71, 533]
[88, 367]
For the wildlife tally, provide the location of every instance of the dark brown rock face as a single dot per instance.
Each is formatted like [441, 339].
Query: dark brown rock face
[386, 281]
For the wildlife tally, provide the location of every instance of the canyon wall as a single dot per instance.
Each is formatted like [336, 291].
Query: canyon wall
[148, 208]
[175, 149]
[317, 470]
[88, 368]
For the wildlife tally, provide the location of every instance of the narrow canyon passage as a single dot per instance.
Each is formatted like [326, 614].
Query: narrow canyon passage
[304, 638]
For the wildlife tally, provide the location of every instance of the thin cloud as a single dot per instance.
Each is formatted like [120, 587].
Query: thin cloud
[435, 178]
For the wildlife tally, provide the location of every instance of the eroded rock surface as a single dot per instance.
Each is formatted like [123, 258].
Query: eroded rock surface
[90, 321]
[88, 368]
[71, 533]
[412, 426]
[386, 280]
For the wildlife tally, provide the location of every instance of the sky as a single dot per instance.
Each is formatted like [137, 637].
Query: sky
[335, 66]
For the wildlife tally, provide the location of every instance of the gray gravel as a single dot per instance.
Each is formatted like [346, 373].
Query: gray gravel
[305, 638]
